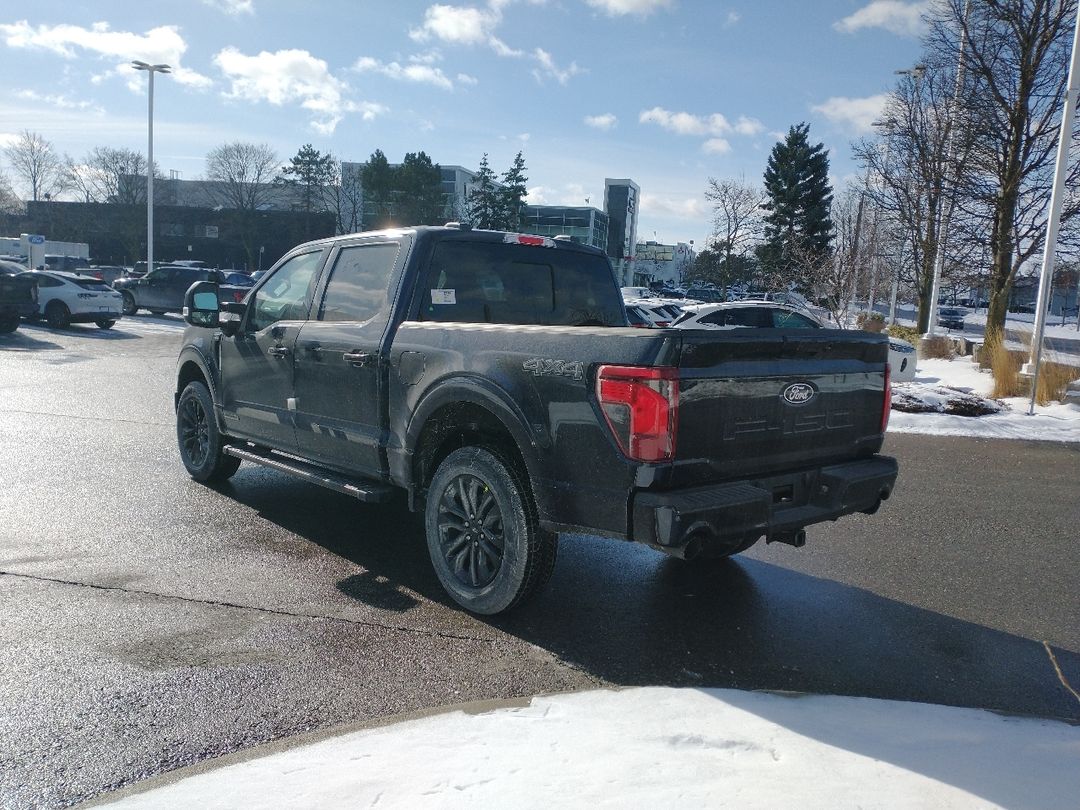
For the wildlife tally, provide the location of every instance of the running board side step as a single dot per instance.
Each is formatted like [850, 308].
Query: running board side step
[367, 491]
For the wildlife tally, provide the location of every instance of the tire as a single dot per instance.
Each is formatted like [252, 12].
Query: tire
[128, 307]
[476, 497]
[105, 323]
[8, 324]
[158, 311]
[198, 437]
[58, 315]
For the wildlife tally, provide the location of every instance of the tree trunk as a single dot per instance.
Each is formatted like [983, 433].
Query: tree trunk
[1001, 269]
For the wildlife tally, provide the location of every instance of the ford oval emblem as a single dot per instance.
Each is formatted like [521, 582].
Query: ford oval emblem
[798, 393]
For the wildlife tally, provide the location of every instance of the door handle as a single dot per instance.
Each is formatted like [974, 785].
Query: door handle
[278, 351]
[357, 358]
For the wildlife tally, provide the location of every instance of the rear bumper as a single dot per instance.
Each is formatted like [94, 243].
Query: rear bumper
[729, 515]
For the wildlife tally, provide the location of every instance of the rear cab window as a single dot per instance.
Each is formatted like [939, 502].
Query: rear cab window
[493, 282]
[93, 285]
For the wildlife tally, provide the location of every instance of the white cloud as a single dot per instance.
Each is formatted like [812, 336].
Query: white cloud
[419, 73]
[666, 205]
[568, 194]
[685, 123]
[458, 25]
[291, 76]
[60, 101]
[748, 126]
[619, 8]
[716, 146]
[732, 18]
[892, 15]
[549, 69]
[233, 7]
[854, 114]
[158, 45]
[465, 78]
[605, 121]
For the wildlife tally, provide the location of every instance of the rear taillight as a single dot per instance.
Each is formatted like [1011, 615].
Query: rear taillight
[886, 404]
[238, 296]
[663, 324]
[641, 406]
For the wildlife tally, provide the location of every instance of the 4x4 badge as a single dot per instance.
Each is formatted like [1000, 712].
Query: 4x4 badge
[798, 393]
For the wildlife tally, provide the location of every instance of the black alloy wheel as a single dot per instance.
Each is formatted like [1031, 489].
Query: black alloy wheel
[483, 532]
[105, 323]
[58, 315]
[128, 307]
[471, 531]
[201, 444]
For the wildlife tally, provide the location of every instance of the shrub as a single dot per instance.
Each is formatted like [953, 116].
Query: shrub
[908, 333]
[938, 346]
[1005, 366]
[870, 321]
[1054, 378]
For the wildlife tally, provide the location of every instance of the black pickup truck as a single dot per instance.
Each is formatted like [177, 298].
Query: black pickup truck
[18, 296]
[494, 378]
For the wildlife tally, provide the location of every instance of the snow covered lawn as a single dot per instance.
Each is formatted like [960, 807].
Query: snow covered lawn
[662, 748]
[1053, 422]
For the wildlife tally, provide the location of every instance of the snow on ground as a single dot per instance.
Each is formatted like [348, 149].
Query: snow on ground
[1026, 323]
[661, 748]
[1054, 422]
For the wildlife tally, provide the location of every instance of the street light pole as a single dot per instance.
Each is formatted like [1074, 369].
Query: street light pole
[151, 69]
[1057, 199]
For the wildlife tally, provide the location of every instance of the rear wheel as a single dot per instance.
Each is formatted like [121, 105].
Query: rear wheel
[105, 323]
[128, 307]
[58, 315]
[483, 533]
[198, 436]
[8, 323]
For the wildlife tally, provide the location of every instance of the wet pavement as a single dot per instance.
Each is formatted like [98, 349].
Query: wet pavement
[150, 622]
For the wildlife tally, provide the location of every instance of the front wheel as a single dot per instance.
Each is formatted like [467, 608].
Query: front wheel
[483, 533]
[198, 436]
[9, 323]
[105, 323]
[128, 307]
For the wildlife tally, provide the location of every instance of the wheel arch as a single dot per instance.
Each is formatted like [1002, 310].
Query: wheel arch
[460, 413]
[192, 367]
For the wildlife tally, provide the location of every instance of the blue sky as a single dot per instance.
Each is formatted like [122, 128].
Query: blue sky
[666, 92]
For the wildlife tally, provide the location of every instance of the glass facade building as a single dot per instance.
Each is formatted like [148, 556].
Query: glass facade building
[583, 224]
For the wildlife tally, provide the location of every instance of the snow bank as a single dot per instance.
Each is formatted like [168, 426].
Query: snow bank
[663, 748]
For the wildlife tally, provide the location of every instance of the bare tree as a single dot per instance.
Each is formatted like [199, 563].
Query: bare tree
[36, 162]
[737, 216]
[109, 174]
[9, 200]
[830, 279]
[345, 196]
[1016, 54]
[242, 176]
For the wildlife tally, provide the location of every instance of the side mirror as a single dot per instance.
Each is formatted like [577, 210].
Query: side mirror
[233, 316]
[201, 304]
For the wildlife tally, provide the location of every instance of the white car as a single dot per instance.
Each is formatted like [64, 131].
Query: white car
[651, 312]
[769, 315]
[66, 298]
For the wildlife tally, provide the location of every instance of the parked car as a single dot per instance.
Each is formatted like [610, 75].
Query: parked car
[106, 272]
[67, 298]
[658, 313]
[636, 292]
[18, 296]
[950, 317]
[239, 279]
[513, 403]
[163, 290]
[708, 295]
[767, 315]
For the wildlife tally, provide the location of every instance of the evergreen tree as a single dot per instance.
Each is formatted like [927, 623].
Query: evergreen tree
[377, 178]
[798, 228]
[483, 203]
[512, 196]
[419, 186]
[309, 172]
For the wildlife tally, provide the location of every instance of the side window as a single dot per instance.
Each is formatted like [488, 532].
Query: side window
[782, 319]
[286, 295]
[745, 316]
[357, 290]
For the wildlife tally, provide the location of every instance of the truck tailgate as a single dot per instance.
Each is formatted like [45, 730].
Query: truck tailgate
[757, 401]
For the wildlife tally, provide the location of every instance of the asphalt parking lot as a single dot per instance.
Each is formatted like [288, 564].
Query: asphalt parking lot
[151, 622]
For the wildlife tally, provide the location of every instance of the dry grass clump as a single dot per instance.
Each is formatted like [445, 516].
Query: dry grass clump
[937, 347]
[1005, 365]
